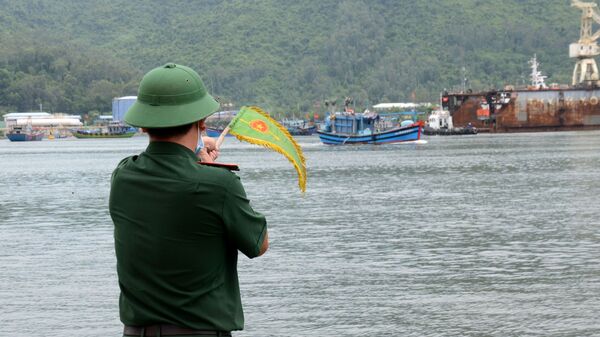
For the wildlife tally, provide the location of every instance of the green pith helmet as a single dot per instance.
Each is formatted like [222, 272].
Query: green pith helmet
[170, 95]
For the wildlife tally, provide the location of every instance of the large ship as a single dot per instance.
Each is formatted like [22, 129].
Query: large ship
[514, 110]
[539, 107]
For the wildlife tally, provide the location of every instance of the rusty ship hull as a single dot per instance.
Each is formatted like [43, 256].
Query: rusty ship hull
[526, 110]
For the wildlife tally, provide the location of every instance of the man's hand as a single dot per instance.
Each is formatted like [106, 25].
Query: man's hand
[209, 153]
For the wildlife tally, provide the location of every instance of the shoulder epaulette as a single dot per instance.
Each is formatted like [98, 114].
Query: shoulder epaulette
[230, 167]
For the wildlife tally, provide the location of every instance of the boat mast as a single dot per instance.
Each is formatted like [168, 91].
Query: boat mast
[331, 106]
[537, 80]
[347, 102]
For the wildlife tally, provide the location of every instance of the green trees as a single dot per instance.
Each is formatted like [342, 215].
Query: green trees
[61, 79]
[283, 55]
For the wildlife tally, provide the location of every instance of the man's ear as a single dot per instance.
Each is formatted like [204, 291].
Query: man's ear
[202, 124]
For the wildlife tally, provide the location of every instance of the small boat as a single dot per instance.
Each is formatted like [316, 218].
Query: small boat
[440, 123]
[113, 130]
[215, 132]
[20, 134]
[217, 122]
[343, 128]
[299, 127]
[56, 134]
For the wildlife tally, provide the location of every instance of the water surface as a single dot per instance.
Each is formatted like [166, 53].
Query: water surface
[486, 235]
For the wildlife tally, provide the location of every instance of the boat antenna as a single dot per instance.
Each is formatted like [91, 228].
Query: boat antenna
[464, 79]
[537, 80]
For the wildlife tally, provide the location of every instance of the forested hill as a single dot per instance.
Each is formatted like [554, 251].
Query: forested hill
[285, 55]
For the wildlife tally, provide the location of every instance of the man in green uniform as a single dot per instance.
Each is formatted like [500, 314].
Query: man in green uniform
[178, 225]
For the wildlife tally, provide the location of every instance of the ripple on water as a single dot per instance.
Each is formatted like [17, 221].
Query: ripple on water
[492, 235]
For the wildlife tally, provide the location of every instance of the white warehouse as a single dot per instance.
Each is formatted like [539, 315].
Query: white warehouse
[41, 120]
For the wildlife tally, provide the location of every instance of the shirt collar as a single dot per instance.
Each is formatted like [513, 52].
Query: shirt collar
[170, 148]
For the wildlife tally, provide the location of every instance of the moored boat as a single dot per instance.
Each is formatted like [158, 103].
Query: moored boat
[95, 134]
[299, 127]
[215, 132]
[113, 130]
[536, 107]
[217, 122]
[440, 123]
[20, 134]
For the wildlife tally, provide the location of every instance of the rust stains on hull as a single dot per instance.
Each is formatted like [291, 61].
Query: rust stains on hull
[526, 110]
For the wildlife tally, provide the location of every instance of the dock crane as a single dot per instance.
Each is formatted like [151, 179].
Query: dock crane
[586, 69]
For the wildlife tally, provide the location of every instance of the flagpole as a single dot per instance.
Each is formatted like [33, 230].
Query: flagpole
[222, 137]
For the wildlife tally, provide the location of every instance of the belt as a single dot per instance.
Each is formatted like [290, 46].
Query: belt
[169, 330]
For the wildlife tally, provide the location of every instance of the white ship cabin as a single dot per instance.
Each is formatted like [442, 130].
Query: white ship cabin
[440, 119]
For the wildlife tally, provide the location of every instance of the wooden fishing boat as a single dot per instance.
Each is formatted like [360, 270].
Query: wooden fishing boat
[24, 134]
[113, 130]
[346, 129]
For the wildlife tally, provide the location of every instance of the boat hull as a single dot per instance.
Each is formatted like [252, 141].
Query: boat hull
[103, 135]
[396, 135]
[214, 133]
[309, 131]
[526, 110]
[24, 137]
[449, 132]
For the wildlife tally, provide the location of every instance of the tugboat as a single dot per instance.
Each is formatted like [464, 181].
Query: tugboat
[440, 123]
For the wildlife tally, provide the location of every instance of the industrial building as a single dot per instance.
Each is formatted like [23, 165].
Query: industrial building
[41, 120]
[120, 105]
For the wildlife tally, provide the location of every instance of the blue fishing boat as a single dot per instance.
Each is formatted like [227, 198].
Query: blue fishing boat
[24, 134]
[215, 132]
[345, 128]
[217, 122]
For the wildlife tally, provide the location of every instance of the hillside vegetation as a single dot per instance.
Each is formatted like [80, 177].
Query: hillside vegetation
[287, 56]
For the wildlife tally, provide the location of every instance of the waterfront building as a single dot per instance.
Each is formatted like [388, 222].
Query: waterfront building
[120, 105]
[41, 120]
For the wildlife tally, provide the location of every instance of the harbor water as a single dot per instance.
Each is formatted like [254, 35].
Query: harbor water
[485, 235]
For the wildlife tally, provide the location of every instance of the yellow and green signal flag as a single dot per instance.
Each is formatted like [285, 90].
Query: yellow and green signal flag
[255, 126]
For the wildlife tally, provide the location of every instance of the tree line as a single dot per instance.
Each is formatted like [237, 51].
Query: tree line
[286, 56]
[61, 79]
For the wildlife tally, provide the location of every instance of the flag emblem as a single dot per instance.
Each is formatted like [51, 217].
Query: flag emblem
[259, 126]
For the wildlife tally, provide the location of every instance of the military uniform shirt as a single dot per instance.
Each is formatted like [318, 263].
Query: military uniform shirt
[178, 227]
